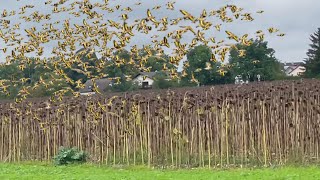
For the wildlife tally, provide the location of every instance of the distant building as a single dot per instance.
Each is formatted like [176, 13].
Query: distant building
[102, 84]
[144, 79]
[294, 69]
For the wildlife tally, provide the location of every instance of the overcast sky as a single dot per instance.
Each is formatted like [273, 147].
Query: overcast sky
[296, 18]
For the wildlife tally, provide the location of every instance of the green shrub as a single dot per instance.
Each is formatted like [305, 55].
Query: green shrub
[124, 86]
[69, 156]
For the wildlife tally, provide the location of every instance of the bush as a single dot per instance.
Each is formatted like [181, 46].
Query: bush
[163, 81]
[69, 156]
[291, 78]
[164, 84]
[124, 86]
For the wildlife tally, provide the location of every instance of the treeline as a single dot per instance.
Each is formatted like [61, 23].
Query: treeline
[312, 62]
[200, 68]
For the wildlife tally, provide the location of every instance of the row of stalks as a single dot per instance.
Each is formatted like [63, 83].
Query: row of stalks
[221, 126]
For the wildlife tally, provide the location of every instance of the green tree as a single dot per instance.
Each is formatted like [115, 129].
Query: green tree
[31, 72]
[157, 63]
[13, 74]
[115, 69]
[85, 56]
[49, 87]
[312, 62]
[123, 69]
[200, 65]
[258, 59]
[163, 81]
[123, 86]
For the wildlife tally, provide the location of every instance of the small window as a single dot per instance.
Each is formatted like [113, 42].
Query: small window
[145, 84]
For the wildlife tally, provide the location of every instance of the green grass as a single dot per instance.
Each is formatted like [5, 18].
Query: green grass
[46, 172]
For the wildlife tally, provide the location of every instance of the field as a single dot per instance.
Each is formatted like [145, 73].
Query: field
[43, 171]
[260, 124]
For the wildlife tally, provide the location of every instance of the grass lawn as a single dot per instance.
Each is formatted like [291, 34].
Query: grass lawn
[46, 172]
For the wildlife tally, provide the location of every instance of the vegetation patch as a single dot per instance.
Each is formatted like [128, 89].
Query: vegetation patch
[69, 156]
[86, 171]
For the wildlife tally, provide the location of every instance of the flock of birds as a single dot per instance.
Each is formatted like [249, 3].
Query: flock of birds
[98, 33]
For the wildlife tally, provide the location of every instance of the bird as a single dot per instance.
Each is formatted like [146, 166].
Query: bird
[272, 30]
[242, 52]
[94, 28]
[208, 66]
[170, 5]
[255, 61]
[213, 58]
[222, 72]
[188, 16]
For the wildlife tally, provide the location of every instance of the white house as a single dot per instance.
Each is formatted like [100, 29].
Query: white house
[144, 79]
[295, 70]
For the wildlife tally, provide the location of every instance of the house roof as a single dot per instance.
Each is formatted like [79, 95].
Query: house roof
[101, 83]
[83, 49]
[293, 64]
[148, 74]
[290, 69]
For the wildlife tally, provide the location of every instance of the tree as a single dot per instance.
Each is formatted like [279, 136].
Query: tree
[49, 87]
[163, 81]
[123, 86]
[31, 72]
[157, 63]
[312, 62]
[197, 60]
[258, 59]
[121, 68]
[13, 74]
[86, 56]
